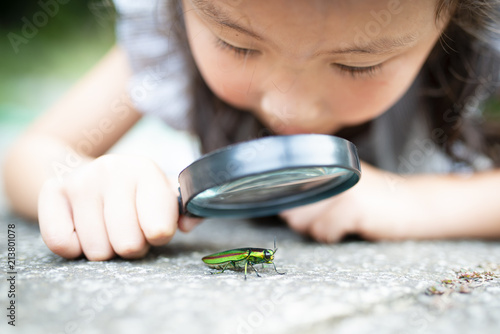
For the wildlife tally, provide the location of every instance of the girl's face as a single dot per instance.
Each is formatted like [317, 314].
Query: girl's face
[307, 66]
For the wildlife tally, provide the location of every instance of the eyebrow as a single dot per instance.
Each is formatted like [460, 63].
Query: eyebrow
[380, 46]
[222, 18]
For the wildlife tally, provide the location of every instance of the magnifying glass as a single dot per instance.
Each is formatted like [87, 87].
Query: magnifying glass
[265, 176]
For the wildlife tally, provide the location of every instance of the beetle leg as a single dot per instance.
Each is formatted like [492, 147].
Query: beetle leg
[277, 269]
[247, 262]
[223, 268]
[251, 265]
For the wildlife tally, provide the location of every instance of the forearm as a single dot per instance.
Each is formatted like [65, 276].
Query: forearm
[455, 206]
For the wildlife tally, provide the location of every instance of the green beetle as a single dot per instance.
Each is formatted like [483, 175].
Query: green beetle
[241, 257]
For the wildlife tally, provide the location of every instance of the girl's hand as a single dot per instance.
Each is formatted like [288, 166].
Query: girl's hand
[114, 205]
[380, 206]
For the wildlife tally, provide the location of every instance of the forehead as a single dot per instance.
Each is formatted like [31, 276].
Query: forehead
[322, 19]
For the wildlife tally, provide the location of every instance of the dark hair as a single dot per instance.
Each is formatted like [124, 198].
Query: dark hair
[461, 73]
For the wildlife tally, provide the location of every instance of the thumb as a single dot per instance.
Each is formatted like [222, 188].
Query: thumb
[187, 224]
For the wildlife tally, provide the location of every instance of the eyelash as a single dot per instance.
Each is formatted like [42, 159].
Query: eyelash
[238, 52]
[354, 71]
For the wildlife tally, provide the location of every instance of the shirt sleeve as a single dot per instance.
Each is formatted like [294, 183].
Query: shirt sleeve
[159, 84]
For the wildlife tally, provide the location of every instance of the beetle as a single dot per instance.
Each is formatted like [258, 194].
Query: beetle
[240, 257]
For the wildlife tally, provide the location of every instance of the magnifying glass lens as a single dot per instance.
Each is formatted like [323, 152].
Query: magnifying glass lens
[265, 176]
[271, 188]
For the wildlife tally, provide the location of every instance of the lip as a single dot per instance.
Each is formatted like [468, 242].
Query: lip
[324, 129]
[288, 130]
[295, 130]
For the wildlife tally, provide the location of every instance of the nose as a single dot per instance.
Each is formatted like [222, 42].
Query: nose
[292, 113]
[292, 100]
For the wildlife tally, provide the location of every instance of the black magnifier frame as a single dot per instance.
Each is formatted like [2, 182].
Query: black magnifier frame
[265, 176]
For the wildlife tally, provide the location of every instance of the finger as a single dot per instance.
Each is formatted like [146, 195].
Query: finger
[325, 230]
[122, 224]
[56, 221]
[300, 218]
[332, 227]
[88, 216]
[187, 224]
[296, 222]
[157, 207]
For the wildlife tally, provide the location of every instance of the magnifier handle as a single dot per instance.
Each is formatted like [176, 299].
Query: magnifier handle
[179, 202]
[181, 209]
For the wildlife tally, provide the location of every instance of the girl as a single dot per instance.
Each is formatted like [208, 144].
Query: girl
[404, 80]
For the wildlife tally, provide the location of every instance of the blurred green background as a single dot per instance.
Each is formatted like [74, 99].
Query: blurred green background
[45, 46]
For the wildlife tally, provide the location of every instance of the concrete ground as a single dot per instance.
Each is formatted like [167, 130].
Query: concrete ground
[350, 287]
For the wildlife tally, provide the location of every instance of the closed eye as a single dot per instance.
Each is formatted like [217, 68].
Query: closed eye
[238, 52]
[358, 71]
[354, 71]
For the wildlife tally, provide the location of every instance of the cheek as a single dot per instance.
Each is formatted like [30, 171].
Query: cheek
[373, 97]
[229, 77]
[359, 102]
[233, 87]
